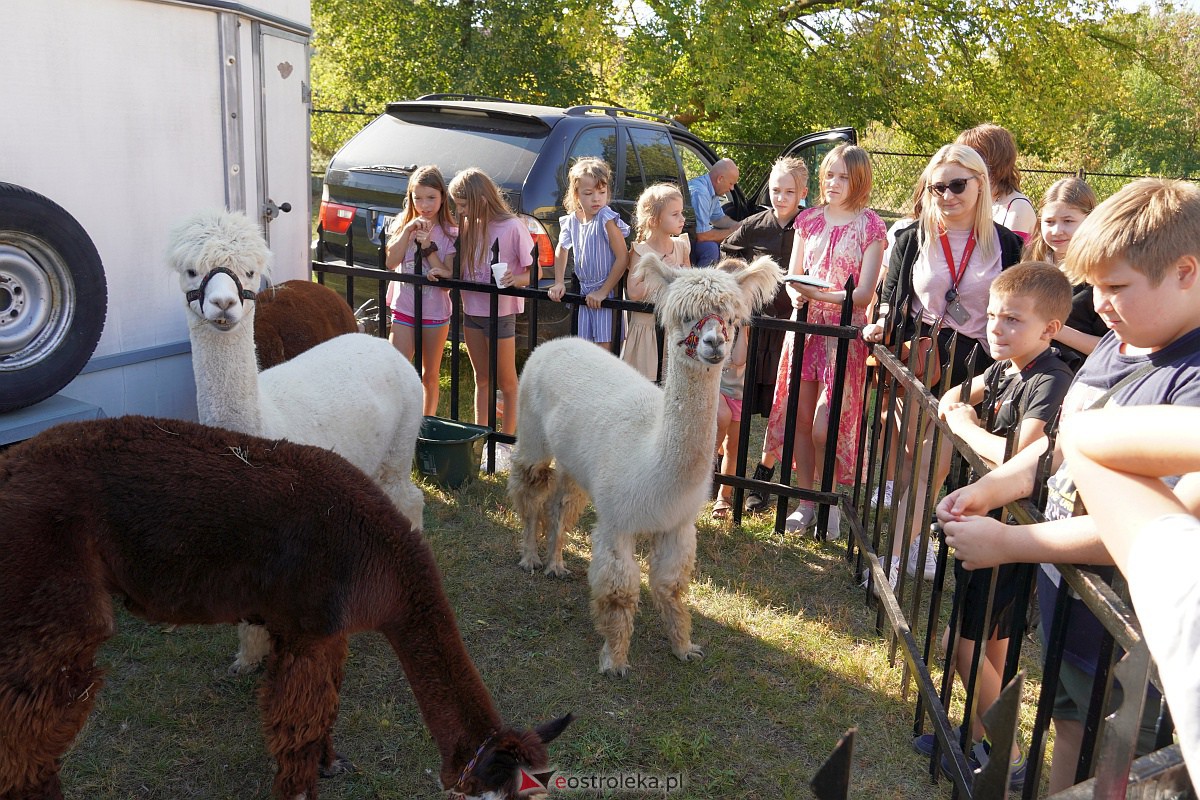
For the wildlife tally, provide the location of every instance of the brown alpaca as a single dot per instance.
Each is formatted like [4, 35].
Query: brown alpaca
[190, 524]
[294, 316]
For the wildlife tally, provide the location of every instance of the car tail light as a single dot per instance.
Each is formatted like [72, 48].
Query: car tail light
[541, 238]
[335, 217]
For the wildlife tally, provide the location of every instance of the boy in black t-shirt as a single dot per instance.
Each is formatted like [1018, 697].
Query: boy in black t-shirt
[1020, 394]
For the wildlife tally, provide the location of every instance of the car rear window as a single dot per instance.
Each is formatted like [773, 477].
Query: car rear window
[504, 148]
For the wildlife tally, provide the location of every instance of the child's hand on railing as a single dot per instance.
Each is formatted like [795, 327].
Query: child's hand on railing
[977, 541]
[957, 414]
[872, 332]
[557, 291]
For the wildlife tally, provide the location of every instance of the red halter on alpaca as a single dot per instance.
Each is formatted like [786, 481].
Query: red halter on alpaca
[159, 513]
[692, 340]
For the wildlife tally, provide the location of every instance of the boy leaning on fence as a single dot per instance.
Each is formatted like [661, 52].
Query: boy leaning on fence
[1140, 250]
[1117, 457]
[1019, 395]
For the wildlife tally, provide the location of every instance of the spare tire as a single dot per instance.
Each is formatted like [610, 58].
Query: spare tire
[53, 297]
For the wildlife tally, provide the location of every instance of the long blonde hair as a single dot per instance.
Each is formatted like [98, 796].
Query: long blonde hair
[650, 205]
[484, 205]
[931, 217]
[1072, 191]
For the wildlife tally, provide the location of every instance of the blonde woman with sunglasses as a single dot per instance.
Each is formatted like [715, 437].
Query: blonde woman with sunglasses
[938, 277]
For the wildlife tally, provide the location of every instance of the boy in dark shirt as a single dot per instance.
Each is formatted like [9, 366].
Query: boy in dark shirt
[1020, 394]
[1140, 251]
[769, 233]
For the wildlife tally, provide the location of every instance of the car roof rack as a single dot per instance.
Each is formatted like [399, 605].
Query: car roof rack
[612, 111]
[454, 96]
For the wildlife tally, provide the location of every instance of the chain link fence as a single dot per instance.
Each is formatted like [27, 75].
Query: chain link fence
[895, 174]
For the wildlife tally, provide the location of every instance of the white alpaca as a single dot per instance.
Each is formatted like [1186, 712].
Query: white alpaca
[354, 394]
[643, 454]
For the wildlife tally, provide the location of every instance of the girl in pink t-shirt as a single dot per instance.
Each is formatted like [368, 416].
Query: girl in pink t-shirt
[488, 225]
[425, 227]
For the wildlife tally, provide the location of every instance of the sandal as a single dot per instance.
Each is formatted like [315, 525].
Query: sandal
[721, 509]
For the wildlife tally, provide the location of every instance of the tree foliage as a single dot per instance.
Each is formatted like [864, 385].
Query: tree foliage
[1076, 80]
[371, 52]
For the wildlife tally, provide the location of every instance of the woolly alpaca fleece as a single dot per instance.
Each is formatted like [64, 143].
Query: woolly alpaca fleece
[642, 454]
[295, 316]
[196, 525]
[354, 394]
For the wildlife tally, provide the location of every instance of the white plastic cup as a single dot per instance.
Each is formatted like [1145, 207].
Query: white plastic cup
[498, 271]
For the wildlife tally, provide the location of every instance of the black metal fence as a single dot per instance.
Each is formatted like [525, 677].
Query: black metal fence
[531, 331]
[903, 415]
[900, 414]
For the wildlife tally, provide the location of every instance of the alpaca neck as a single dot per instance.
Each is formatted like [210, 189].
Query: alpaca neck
[226, 372]
[688, 432]
[455, 704]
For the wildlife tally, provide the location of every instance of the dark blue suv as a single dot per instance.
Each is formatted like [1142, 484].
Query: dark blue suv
[527, 150]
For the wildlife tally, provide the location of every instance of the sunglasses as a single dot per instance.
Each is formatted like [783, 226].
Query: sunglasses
[956, 186]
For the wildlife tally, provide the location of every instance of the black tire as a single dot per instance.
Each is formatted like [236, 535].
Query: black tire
[53, 297]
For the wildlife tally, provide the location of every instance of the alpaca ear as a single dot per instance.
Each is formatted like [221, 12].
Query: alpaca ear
[759, 281]
[549, 731]
[514, 748]
[656, 271]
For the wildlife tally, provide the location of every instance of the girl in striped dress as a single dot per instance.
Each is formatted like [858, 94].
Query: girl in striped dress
[597, 236]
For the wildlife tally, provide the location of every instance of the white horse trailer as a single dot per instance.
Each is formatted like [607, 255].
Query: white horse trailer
[118, 118]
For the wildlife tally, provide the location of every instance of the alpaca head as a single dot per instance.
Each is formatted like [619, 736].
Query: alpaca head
[494, 772]
[221, 258]
[698, 308]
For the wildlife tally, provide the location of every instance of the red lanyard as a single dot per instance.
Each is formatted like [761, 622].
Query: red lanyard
[957, 274]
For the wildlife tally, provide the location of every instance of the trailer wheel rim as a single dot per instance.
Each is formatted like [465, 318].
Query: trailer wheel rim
[37, 298]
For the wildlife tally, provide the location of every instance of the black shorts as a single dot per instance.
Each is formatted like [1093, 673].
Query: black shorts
[971, 592]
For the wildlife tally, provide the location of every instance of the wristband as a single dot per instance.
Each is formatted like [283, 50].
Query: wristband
[430, 249]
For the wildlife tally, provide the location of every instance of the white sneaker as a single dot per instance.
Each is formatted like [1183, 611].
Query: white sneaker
[835, 524]
[893, 578]
[801, 519]
[887, 495]
[930, 567]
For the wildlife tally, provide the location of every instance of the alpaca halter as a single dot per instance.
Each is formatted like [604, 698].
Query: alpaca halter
[692, 340]
[456, 789]
[198, 293]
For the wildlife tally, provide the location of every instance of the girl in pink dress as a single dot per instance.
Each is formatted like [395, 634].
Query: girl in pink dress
[839, 239]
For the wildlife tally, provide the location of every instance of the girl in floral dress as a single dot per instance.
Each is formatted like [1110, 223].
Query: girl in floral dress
[837, 240]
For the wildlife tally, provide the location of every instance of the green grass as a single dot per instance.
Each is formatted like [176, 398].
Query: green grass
[792, 660]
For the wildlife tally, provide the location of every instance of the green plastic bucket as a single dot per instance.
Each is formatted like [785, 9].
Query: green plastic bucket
[450, 451]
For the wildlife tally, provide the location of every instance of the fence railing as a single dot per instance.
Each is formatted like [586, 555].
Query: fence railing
[900, 413]
[531, 332]
[903, 415]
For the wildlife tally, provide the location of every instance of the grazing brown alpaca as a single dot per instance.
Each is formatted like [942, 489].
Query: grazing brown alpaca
[294, 316]
[190, 524]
